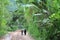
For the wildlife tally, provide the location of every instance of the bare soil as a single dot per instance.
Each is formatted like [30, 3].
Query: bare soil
[16, 36]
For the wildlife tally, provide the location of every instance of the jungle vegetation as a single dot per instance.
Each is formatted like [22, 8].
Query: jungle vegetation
[41, 18]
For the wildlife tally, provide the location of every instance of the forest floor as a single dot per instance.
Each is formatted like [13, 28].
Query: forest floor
[16, 35]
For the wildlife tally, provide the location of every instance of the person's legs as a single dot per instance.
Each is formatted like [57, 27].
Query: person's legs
[21, 32]
[25, 32]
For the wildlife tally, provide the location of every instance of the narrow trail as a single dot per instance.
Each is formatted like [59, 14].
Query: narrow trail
[17, 36]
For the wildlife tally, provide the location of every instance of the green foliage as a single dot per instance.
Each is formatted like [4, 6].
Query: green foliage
[41, 26]
[3, 19]
[41, 18]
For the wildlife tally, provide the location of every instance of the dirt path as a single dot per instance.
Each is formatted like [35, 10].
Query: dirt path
[17, 36]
